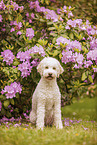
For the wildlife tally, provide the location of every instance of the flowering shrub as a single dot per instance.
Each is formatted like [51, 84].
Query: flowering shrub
[12, 90]
[29, 31]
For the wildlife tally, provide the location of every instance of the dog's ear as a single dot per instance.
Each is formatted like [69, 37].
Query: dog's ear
[60, 70]
[39, 68]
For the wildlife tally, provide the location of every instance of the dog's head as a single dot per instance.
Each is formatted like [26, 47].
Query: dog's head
[49, 68]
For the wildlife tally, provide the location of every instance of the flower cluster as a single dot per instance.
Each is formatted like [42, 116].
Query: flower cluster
[50, 14]
[87, 63]
[73, 23]
[30, 33]
[2, 5]
[24, 56]
[8, 56]
[70, 45]
[95, 69]
[79, 59]
[92, 55]
[35, 5]
[16, 6]
[78, 23]
[16, 26]
[30, 17]
[4, 119]
[90, 30]
[13, 5]
[25, 68]
[35, 62]
[69, 56]
[62, 40]
[10, 91]
[37, 49]
[93, 44]
[66, 10]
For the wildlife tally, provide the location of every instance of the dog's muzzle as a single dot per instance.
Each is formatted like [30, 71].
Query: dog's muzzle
[50, 76]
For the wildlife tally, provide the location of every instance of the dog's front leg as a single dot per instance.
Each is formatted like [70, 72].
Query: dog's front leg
[40, 114]
[57, 114]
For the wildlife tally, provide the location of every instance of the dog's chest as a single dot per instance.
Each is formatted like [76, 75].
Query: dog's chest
[49, 101]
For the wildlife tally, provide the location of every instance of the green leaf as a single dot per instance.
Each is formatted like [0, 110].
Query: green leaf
[42, 1]
[15, 63]
[51, 28]
[1, 96]
[1, 58]
[12, 101]
[60, 56]
[56, 52]
[84, 76]
[47, 2]
[85, 49]
[90, 79]
[50, 23]
[54, 40]
[9, 17]
[71, 35]
[19, 18]
[41, 20]
[42, 42]
[6, 103]
[53, 34]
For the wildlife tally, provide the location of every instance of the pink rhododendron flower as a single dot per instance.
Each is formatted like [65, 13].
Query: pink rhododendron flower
[92, 55]
[2, 5]
[74, 23]
[93, 43]
[11, 90]
[8, 56]
[67, 56]
[87, 63]
[70, 45]
[95, 69]
[32, 15]
[34, 62]
[29, 33]
[25, 68]
[23, 56]
[1, 18]
[37, 49]
[12, 30]
[19, 33]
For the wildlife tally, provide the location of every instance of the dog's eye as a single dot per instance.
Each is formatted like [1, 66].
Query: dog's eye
[46, 67]
[54, 68]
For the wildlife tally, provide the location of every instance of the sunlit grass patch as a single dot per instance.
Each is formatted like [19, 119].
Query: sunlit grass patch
[85, 109]
[74, 134]
[78, 128]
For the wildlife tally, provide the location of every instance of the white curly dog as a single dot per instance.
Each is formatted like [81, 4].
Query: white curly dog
[46, 100]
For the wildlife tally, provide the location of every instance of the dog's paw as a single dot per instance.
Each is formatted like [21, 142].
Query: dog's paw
[59, 126]
[40, 128]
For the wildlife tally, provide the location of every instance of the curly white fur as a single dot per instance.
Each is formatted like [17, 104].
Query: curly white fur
[46, 100]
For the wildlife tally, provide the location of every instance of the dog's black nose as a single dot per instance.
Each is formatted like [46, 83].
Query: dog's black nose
[50, 74]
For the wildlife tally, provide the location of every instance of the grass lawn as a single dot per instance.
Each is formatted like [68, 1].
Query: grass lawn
[80, 128]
